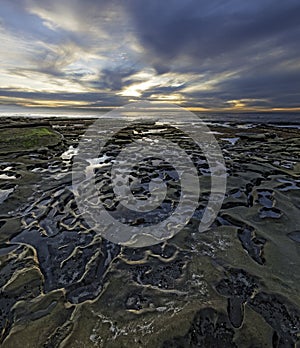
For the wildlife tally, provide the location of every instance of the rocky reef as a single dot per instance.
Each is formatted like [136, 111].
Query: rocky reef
[63, 285]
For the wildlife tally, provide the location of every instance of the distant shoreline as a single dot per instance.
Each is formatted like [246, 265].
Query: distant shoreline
[286, 120]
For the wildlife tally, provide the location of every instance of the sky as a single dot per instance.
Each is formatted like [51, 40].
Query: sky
[213, 55]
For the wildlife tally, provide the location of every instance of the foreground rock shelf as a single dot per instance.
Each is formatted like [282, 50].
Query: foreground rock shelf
[62, 285]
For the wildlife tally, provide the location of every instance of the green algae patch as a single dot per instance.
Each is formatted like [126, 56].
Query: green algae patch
[27, 138]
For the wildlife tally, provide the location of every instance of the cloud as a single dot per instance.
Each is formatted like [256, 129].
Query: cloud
[198, 30]
[209, 54]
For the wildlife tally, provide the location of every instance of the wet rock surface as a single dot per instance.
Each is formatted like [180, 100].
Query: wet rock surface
[238, 288]
[281, 315]
[63, 285]
[209, 329]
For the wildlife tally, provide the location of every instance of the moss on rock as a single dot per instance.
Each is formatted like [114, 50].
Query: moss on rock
[25, 138]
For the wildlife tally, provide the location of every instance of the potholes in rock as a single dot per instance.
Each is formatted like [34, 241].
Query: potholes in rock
[161, 275]
[238, 288]
[272, 213]
[242, 289]
[287, 184]
[265, 198]
[136, 302]
[209, 329]
[252, 244]
[281, 315]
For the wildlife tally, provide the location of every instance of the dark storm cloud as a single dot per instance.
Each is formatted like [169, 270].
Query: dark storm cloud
[193, 28]
[258, 40]
[49, 96]
[95, 100]
[113, 79]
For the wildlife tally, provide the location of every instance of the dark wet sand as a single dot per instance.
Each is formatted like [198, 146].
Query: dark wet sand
[236, 285]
